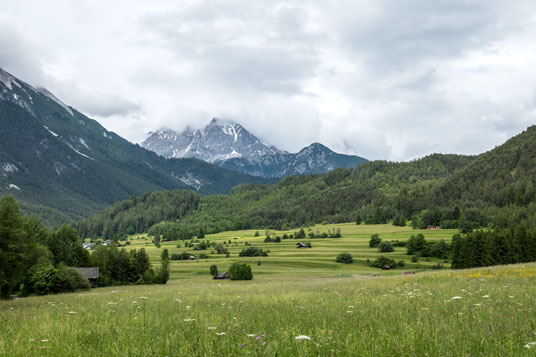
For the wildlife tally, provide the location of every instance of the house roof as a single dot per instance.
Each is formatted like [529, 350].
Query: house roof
[221, 275]
[89, 273]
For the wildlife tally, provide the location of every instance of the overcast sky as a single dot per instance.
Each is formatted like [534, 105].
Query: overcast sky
[389, 80]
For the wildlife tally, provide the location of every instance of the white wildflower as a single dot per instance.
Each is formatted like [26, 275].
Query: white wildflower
[251, 335]
[456, 297]
[189, 320]
[211, 328]
[530, 344]
[72, 312]
[485, 296]
[221, 333]
[303, 337]
[477, 304]
[44, 340]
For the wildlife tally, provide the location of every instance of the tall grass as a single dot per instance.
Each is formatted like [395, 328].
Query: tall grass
[488, 312]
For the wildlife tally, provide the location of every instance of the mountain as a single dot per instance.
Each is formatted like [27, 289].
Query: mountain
[62, 165]
[219, 140]
[314, 159]
[230, 145]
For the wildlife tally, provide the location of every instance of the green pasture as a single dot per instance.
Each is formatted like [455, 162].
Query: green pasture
[285, 259]
[479, 312]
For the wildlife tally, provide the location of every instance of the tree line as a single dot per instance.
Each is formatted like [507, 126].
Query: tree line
[34, 260]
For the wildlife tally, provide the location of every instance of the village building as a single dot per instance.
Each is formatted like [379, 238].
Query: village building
[91, 274]
[301, 245]
[222, 275]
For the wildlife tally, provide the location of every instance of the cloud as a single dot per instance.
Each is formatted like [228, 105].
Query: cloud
[383, 79]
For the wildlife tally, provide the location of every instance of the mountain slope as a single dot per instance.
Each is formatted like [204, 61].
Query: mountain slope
[52, 156]
[230, 145]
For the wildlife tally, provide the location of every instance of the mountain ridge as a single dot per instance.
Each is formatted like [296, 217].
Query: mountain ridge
[228, 144]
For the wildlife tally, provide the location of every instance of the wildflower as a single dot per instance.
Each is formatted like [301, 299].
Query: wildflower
[349, 311]
[250, 335]
[456, 297]
[134, 302]
[221, 333]
[44, 340]
[72, 312]
[263, 336]
[211, 328]
[530, 344]
[188, 320]
[477, 304]
[303, 337]
[243, 345]
[257, 338]
[264, 343]
[143, 297]
[485, 296]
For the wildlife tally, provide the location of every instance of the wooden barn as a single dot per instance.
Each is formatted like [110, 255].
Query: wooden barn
[301, 245]
[386, 267]
[91, 274]
[222, 275]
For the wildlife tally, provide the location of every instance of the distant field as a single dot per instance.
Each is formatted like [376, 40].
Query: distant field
[484, 312]
[286, 259]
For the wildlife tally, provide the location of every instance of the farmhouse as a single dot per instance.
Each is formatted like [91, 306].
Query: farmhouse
[91, 274]
[192, 257]
[301, 245]
[432, 227]
[386, 267]
[222, 275]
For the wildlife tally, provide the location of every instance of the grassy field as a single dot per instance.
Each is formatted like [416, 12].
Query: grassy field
[286, 260]
[485, 312]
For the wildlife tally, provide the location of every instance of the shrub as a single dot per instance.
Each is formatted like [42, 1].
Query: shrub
[385, 247]
[47, 279]
[345, 258]
[401, 263]
[256, 233]
[240, 271]
[381, 261]
[203, 256]
[253, 252]
[414, 259]
[213, 270]
[374, 241]
[181, 256]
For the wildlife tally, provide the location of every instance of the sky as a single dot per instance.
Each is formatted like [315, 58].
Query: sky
[383, 79]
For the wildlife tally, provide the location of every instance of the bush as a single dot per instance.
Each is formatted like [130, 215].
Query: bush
[47, 279]
[253, 252]
[213, 270]
[240, 271]
[437, 266]
[345, 258]
[414, 259]
[203, 256]
[374, 241]
[401, 263]
[385, 247]
[181, 256]
[382, 261]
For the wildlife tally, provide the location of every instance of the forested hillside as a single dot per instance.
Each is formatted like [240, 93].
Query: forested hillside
[496, 187]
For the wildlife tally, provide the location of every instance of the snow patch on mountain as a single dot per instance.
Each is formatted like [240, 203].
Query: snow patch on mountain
[52, 97]
[50, 131]
[8, 168]
[13, 186]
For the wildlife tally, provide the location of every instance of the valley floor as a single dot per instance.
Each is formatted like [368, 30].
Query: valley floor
[488, 311]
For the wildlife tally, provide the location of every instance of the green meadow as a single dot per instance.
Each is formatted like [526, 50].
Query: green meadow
[485, 312]
[285, 259]
[299, 303]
